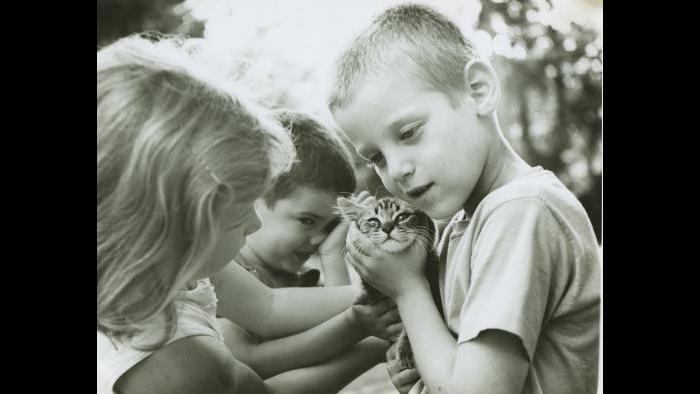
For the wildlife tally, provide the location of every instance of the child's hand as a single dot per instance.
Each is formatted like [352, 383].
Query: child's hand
[330, 251]
[402, 379]
[380, 319]
[393, 274]
[363, 197]
[334, 243]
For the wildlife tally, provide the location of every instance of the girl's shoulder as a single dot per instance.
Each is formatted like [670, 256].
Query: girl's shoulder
[191, 364]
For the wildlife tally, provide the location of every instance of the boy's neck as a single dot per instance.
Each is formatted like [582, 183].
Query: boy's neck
[502, 166]
[250, 257]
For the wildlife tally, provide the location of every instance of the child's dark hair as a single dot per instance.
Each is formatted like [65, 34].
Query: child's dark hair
[432, 47]
[322, 162]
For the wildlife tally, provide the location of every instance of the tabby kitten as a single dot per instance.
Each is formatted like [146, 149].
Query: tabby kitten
[391, 225]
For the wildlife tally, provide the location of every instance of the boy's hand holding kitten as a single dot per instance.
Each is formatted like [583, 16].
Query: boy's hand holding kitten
[393, 274]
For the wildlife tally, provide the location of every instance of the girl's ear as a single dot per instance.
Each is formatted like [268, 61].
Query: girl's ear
[348, 208]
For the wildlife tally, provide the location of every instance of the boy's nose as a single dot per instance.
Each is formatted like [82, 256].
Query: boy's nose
[401, 170]
[254, 223]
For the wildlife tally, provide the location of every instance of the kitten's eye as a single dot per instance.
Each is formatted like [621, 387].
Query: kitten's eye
[374, 222]
[403, 217]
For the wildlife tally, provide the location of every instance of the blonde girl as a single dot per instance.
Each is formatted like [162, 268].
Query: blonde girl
[180, 160]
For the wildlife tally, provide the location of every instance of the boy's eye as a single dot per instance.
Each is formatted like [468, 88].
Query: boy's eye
[377, 160]
[373, 222]
[409, 133]
[307, 221]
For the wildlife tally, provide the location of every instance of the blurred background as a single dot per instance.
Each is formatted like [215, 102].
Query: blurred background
[548, 54]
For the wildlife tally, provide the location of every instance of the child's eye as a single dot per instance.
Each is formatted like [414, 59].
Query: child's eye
[307, 221]
[409, 133]
[377, 160]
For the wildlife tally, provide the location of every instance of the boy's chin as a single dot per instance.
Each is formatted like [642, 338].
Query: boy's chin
[290, 268]
[441, 211]
[294, 263]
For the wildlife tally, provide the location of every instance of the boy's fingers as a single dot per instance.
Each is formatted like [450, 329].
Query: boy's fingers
[391, 317]
[364, 197]
[395, 330]
[383, 305]
[356, 256]
[339, 231]
[404, 380]
[359, 196]
[342, 226]
[392, 366]
[356, 265]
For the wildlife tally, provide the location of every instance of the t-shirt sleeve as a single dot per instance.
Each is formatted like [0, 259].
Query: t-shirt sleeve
[513, 272]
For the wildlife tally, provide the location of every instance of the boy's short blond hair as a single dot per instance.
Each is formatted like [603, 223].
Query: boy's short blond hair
[411, 40]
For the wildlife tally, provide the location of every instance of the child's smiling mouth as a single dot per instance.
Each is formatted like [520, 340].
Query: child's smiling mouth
[302, 256]
[417, 192]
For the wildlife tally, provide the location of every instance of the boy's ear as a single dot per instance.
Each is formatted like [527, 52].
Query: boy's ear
[483, 86]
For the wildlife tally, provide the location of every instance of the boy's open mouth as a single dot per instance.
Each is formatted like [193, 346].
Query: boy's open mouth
[416, 192]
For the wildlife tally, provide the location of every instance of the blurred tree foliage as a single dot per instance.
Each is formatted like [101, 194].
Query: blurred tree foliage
[552, 79]
[119, 18]
[552, 107]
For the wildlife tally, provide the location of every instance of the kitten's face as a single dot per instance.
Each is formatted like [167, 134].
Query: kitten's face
[389, 224]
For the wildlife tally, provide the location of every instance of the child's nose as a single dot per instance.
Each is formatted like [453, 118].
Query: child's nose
[254, 223]
[400, 169]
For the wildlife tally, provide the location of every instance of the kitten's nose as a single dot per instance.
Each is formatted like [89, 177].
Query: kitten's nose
[387, 227]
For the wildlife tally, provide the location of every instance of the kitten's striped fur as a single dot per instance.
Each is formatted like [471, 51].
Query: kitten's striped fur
[392, 225]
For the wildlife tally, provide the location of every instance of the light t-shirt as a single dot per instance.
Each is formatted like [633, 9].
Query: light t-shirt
[527, 262]
[196, 316]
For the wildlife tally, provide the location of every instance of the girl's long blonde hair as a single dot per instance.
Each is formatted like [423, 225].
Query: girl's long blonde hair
[174, 146]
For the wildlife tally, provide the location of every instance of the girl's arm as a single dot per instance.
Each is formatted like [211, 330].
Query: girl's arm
[196, 364]
[200, 364]
[273, 313]
[332, 375]
[316, 344]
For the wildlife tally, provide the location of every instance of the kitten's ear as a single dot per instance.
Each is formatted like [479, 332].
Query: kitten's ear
[348, 208]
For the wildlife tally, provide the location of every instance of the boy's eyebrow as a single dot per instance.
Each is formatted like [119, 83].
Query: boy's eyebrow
[401, 117]
[395, 121]
[312, 214]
